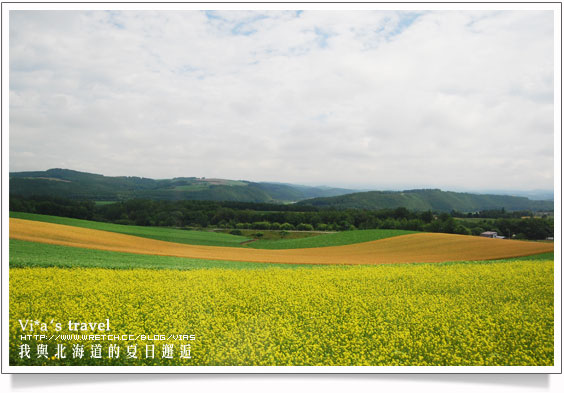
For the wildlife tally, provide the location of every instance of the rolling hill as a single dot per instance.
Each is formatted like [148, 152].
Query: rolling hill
[431, 199]
[81, 185]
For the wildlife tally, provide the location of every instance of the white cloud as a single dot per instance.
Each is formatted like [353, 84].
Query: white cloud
[457, 100]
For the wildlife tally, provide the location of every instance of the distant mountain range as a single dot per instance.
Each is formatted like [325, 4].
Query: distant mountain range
[430, 199]
[537, 195]
[81, 185]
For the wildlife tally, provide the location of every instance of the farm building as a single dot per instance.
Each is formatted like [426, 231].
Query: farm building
[491, 234]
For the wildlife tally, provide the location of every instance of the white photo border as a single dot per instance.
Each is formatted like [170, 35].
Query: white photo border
[556, 7]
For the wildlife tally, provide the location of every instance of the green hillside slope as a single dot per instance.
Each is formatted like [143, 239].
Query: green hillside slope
[435, 200]
[80, 185]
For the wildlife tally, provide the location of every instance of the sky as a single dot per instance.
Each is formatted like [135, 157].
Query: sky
[457, 100]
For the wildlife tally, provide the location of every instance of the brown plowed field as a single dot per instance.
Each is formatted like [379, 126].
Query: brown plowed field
[421, 247]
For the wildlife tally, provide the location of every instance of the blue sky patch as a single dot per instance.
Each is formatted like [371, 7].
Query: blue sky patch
[406, 20]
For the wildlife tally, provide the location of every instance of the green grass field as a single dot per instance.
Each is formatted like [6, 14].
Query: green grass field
[330, 239]
[158, 233]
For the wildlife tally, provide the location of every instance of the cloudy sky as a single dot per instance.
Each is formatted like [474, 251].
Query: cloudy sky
[384, 100]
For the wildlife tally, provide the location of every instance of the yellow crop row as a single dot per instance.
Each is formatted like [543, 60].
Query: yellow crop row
[426, 314]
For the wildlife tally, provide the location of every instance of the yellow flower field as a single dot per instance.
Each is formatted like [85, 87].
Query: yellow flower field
[425, 314]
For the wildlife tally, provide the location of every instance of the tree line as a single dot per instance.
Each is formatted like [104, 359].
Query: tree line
[263, 216]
